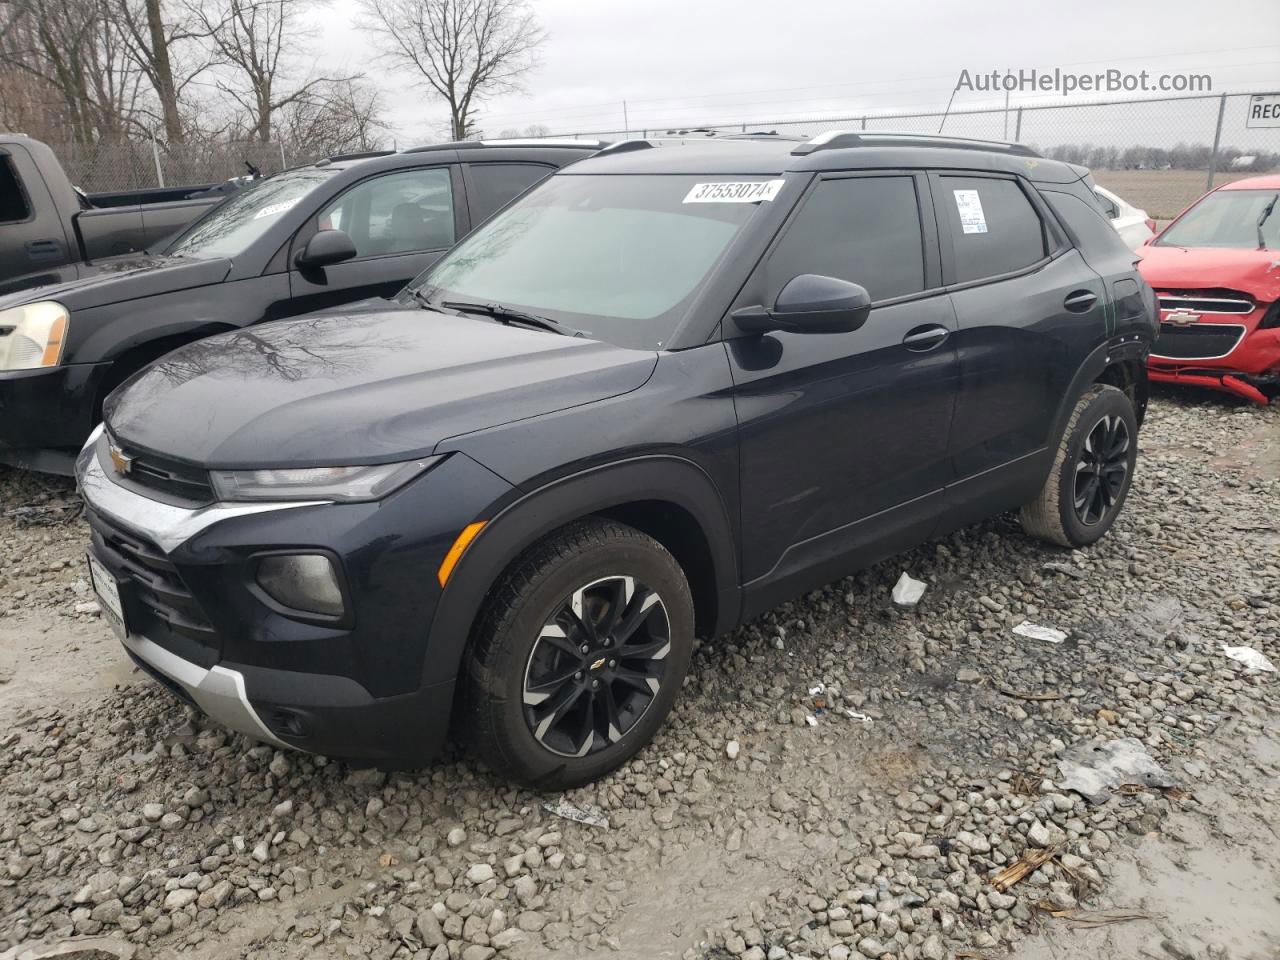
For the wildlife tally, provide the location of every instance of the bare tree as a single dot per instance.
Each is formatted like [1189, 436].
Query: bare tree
[167, 45]
[343, 117]
[254, 41]
[463, 50]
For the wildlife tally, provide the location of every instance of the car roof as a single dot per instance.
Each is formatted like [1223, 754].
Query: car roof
[1271, 182]
[771, 155]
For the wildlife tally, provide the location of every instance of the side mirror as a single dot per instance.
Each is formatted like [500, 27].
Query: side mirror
[810, 303]
[324, 248]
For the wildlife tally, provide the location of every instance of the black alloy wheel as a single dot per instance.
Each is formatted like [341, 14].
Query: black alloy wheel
[1102, 469]
[597, 665]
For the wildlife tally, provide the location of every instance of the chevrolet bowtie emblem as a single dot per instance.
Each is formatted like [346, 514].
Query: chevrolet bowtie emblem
[1183, 318]
[120, 460]
[598, 664]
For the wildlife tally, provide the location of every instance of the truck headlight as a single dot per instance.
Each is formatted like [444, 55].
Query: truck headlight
[32, 335]
[347, 484]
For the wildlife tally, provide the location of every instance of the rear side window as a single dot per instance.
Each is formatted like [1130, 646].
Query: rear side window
[862, 229]
[13, 201]
[494, 185]
[1093, 233]
[993, 226]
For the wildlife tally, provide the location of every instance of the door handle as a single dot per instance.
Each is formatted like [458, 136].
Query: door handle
[43, 249]
[925, 338]
[1078, 301]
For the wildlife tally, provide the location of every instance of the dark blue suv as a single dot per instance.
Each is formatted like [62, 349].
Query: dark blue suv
[670, 387]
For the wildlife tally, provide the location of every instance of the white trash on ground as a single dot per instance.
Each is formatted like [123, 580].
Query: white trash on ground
[907, 591]
[1093, 768]
[586, 813]
[1251, 658]
[1036, 632]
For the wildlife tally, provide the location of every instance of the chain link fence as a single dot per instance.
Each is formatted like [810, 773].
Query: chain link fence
[142, 164]
[1159, 154]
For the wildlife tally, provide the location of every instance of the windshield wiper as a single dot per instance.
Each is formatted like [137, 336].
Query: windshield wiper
[1266, 212]
[508, 315]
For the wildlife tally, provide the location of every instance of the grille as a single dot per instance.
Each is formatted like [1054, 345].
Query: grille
[1205, 341]
[164, 609]
[1213, 300]
[168, 480]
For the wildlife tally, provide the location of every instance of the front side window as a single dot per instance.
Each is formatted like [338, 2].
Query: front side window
[863, 229]
[494, 185]
[1228, 218]
[994, 228]
[398, 213]
[13, 201]
[232, 226]
[618, 257]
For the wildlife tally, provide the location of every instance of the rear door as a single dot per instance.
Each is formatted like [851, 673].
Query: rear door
[401, 222]
[1029, 310]
[843, 436]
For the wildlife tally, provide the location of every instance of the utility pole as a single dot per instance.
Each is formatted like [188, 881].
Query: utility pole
[626, 123]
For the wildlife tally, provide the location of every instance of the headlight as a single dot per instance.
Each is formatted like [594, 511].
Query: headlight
[32, 335]
[348, 484]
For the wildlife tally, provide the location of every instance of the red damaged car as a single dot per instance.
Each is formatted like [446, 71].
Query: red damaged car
[1216, 270]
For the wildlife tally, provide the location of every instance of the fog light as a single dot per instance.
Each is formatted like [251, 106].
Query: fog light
[302, 581]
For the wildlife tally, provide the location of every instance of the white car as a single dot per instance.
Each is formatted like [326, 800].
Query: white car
[1133, 225]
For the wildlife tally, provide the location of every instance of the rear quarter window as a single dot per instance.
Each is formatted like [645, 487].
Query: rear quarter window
[993, 226]
[1092, 232]
[13, 199]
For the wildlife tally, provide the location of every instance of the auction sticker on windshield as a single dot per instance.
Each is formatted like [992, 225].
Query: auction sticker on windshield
[275, 208]
[750, 191]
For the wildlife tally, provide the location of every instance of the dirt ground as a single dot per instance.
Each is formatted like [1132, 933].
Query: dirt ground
[842, 778]
[1162, 193]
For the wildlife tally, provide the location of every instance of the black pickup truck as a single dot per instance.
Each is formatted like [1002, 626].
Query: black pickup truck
[47, 226]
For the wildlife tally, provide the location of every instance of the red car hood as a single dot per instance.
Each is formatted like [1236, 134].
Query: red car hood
[1255, 272]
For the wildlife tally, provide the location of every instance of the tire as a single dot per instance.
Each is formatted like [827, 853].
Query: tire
[1098, 447]
[536, 707]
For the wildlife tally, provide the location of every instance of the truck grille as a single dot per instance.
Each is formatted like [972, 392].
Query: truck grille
[162, 607]
[1203, 341]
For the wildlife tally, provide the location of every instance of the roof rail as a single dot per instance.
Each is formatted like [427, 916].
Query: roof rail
[524, 142]
[360, 156]
[841, 139]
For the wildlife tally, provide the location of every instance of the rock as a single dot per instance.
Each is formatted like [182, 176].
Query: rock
[480, 873]
[177, 899]
[965, 675]
[731, 749]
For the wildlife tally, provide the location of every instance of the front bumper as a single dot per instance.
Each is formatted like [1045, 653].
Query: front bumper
[365, 688]
[45, 414]
[1247, 368]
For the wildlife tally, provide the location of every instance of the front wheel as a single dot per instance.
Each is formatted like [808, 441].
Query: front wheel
[1091, 474]
[579, 656]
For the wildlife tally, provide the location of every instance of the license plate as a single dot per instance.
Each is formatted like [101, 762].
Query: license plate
[108, 591]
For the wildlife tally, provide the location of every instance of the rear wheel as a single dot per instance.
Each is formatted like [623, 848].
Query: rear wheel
[1091, 474]
[579, 657]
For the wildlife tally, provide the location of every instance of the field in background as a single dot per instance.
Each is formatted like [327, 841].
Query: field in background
[1162, 193]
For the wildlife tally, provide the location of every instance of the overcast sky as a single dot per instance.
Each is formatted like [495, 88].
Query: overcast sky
[684, 62]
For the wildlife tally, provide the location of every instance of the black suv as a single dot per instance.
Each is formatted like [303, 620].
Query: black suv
[314, 237]
[672, 386]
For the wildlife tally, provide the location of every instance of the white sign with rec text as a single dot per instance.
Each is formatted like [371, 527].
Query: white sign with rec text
[1264, 110]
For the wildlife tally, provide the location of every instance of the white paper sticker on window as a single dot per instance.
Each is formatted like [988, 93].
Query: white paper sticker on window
[731, 192]
[972, 219]
[273, 209]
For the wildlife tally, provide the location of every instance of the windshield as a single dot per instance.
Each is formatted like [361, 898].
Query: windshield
[617, 257]
[230, 228]
[1228, 218]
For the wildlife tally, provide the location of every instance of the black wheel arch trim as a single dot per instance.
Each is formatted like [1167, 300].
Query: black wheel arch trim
[1131, 347]
[522, 522]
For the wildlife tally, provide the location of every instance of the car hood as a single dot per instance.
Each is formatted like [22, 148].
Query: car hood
[116, 279]
[1255, 272]
[361, 388]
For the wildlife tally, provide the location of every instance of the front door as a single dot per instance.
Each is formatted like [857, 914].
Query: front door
[843, 436]
[401, 223]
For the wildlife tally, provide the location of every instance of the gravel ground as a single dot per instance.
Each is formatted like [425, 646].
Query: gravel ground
[765, 821]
